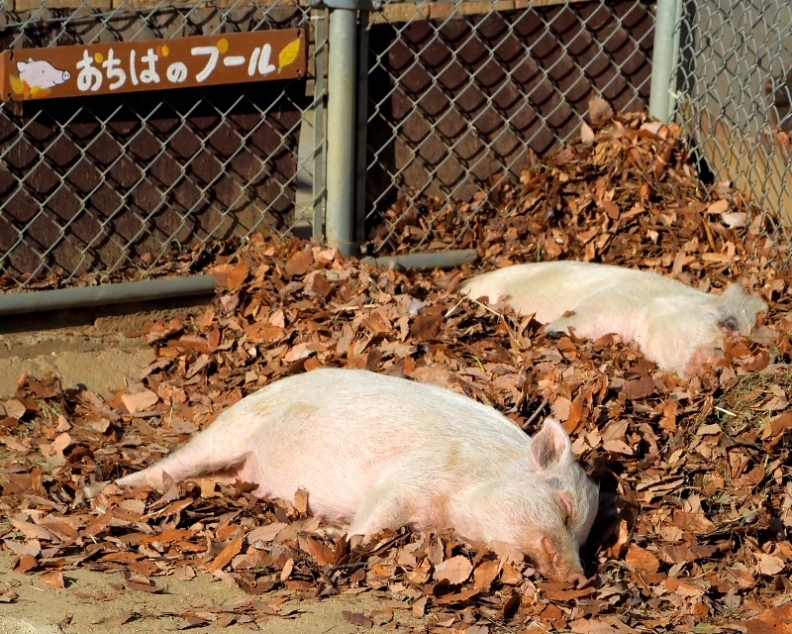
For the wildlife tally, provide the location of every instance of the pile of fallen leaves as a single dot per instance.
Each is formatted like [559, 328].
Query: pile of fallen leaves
[627, 194]
[693, 528]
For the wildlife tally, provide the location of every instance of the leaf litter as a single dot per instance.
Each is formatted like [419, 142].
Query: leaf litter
[694, 521]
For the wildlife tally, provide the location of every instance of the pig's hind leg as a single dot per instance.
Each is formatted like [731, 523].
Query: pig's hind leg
[189, 462]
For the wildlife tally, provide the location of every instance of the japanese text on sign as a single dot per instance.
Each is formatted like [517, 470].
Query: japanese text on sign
[132, 66]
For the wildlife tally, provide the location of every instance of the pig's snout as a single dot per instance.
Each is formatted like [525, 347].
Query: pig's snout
[565, 572]
[577, 579]
[559, 561]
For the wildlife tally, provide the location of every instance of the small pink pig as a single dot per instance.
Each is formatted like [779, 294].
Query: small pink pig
[383, 452]
[676, 326]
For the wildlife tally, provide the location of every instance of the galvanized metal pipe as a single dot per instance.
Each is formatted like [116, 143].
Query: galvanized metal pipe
[342, 96]
[105, 294]
[665, 54]
[439, 260]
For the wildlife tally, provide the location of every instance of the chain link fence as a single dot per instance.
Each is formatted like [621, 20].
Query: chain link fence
[732, 86]
[122, 181]
[462, 96]
[454, 97]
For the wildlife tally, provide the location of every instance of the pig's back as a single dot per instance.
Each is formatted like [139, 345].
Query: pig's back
[373, 405]
[339, 432]
[549, 289]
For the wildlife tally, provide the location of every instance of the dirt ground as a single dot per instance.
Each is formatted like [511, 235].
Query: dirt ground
[83, 348]
[92, 350]
[98, 602]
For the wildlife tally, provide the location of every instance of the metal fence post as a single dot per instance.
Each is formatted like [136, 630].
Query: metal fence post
[341, 129]
[342, 103]
[664, 59]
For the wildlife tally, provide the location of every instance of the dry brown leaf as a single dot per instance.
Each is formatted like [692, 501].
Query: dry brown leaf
[586, 134]
[231, 276]
[323, 555]
[694, 523]
[120, 619]
[599, 110]
[419, 606]
[484, 574]
[226, 555]
[683, 587]
[12, 408]
[768, 564]
[356, 618]
[718, 207]
[772, 621]
[265, 533]
[301, 501]
[287, 569]
[8, 596]
[641, 559]
[455, 570]
[591, 626]
[510, 575]
[300, 263]
[54, 578]
[59, 445]
[34, 531]
[781, 423]
[639, 388]
[139, 401]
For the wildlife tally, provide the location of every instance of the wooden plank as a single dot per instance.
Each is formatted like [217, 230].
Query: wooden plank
[756, 165]
[120, 67]
[393, 12]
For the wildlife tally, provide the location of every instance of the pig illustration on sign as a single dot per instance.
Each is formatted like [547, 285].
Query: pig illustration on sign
[383, 452]
[37, 77]
[677, 327]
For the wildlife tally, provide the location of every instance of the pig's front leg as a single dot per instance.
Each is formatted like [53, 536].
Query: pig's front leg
[386, 506]
[561, 326]
[595, 316]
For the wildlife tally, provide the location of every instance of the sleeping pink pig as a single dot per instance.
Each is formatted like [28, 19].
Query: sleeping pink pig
[383, 452]
[677, 327]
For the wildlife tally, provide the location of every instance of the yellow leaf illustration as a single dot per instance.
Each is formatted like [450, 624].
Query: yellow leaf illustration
[17, 85]
[38, 91]
[288, 54]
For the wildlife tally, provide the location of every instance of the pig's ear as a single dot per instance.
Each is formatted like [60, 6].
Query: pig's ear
[22, 65]
[551, 445]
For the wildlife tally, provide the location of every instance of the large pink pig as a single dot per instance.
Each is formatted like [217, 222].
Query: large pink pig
[383, 452]
[677, 327]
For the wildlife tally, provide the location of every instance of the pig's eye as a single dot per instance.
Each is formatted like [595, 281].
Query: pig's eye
[730, 323]
[567, 508]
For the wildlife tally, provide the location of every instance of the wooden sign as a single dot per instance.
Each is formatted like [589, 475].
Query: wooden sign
[103, 69]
